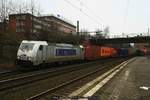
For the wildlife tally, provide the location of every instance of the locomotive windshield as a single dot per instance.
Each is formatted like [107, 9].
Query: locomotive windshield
[27, 46]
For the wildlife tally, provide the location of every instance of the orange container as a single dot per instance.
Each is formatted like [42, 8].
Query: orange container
[105, 52]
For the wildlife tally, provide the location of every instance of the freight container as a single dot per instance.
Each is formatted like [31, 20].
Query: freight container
[113, 52]
[90, 52]
[105, 52]
[122, 52]
[93, 52]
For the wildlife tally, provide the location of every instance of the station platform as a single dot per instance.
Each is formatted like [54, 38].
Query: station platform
[132, 83]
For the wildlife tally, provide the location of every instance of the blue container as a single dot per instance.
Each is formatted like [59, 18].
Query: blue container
[122, 52]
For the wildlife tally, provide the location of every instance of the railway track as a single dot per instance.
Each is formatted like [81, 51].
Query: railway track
[51, 92]
[18, 72]
[9, 73]
[24, 80]
[21, 72]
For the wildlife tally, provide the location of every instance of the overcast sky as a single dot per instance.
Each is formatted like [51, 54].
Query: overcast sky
[129, 16]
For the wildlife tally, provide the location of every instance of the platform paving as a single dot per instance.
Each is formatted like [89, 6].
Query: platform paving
[132, 83]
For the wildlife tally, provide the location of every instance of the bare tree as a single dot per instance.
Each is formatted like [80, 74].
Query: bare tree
[4, 10]
[7, 7]
[11, 6]
[35, 8]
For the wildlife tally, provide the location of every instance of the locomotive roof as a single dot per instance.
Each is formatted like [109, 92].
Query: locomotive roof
[47, 43]
[40, 42]
[61, 44]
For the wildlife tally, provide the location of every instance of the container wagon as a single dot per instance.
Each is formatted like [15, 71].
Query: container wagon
[122, 52]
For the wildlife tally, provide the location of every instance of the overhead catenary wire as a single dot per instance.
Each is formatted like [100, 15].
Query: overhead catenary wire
[91, 11]
[125, 16]
[90, 17]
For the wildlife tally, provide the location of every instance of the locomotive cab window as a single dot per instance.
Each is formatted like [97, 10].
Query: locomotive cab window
[41, 47]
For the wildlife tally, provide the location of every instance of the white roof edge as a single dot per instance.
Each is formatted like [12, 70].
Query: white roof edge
[41, 42]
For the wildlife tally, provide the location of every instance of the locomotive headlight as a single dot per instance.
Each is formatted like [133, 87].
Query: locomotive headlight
[81, 46]
[18, 57]
[29, 58]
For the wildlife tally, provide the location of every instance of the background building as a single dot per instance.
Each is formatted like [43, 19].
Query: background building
[59, 25]
[31, 26]
[27, 24]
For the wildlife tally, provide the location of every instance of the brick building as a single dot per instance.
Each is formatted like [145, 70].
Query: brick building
[59, 25]
[27, 24]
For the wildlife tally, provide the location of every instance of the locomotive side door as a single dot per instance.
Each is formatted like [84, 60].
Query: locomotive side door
[41, 56]
[44, 53]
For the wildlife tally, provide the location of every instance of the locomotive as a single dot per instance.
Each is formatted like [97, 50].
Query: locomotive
[39, 52]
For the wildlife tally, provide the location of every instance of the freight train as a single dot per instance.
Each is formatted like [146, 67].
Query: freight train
[41, 52]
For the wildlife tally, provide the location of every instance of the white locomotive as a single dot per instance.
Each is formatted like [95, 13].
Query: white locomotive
[39, 52]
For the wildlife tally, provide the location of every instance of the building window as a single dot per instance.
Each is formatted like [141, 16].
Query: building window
[38, 26]
[20, 30]
[23, 17]
[20, 23]
[35, 31]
